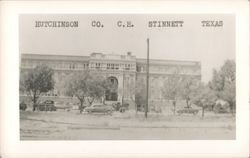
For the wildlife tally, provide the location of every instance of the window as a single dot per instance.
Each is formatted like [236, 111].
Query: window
[116, 66]
[139, 68]
[98, 65]
[127, 66]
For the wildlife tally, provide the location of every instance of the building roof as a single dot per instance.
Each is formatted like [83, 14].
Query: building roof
[86, 58]
[54, 57]
[167, 62]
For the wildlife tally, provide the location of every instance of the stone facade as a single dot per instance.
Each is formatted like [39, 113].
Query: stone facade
[125, 70]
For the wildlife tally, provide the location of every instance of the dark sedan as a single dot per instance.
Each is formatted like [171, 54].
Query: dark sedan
[47, 105]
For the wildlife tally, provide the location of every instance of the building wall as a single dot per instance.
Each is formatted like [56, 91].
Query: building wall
[128, 71]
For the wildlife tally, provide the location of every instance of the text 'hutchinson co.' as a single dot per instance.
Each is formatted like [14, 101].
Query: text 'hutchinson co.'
[56, 23]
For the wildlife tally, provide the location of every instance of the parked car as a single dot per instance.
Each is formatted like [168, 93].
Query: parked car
[221, 106]
[187, 111]
[22, 106]
[99, 108]
[47, 105]
[120, 107]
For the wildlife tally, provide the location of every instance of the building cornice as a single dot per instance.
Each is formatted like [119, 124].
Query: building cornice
[87, 58]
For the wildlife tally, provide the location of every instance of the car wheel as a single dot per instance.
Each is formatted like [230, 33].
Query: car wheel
[109, 112]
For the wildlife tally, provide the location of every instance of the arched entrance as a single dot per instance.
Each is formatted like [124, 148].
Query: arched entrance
[111, 93]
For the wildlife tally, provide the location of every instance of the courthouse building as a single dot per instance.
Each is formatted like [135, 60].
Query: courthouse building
[126, 71]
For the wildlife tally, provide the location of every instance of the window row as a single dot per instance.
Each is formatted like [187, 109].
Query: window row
[113, 66]
[166, 69]
[32, 64]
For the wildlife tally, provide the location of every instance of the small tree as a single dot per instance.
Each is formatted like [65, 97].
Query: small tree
[228, 94]
[205, 97]
[96, 87]
[76, 86]
[86, 86]
[188, 89]
[171, 88]
[38, 80]
[138, 93]
[223, 83]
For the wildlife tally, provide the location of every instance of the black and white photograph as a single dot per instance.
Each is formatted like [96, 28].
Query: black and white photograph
[124, 79]
[127, 77]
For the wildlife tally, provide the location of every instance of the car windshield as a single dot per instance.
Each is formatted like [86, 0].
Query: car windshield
[49, 102]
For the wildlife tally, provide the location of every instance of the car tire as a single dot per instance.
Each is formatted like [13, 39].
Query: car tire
[109, 112]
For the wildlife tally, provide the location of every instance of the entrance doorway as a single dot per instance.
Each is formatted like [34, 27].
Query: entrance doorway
[111, 93]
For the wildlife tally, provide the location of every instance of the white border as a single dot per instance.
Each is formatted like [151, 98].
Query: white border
[12, 147]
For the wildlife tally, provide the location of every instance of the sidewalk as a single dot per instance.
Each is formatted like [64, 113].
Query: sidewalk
[130, 120]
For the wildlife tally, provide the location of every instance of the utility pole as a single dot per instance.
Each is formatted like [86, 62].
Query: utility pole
[146, 108]
[123, 85]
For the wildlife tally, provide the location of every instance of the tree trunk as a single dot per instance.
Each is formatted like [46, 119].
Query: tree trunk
[187, 101]
[203, 111]
[174, 109]
[174, 105]
[232, 107]
[103, 100]
[81, 99]
[81, 105]
[136, 108]
[91, 101]
[34, 101]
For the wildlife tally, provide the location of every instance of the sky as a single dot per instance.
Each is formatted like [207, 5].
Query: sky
[209, 45]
